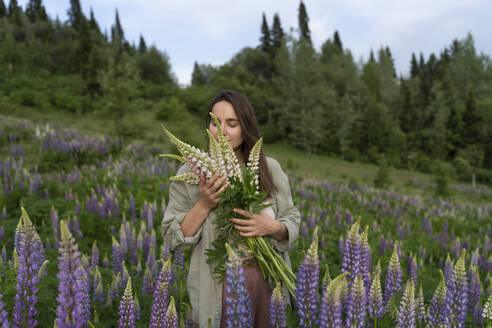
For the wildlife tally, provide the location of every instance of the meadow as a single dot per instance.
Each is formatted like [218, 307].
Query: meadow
[96, 201]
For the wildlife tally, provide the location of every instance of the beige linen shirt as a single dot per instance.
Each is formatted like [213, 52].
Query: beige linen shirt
[204, 291]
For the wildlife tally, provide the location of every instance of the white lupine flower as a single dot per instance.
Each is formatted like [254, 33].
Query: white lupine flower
[190, 178]
[487, 309]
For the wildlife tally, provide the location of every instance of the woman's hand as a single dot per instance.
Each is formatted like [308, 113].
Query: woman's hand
[210, 190]
[258, 225]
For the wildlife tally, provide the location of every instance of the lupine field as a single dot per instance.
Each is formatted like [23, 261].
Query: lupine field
[81, 246]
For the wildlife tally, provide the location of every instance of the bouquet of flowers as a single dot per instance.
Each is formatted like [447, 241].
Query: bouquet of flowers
[242, 192]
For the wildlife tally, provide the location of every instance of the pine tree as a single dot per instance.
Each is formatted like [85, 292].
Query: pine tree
[390, 56]
[265, 39]
[93, 23]
[371, 57]
[3, 9]
[472, 122]
[75, 14]
[305, 33]
[414, 66]
[454, 127]
[117, 32]
[337, 41]
[277, 33]
[142, 46]
[14, 13]
[36, 11]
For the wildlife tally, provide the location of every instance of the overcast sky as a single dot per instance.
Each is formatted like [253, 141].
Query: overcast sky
[213, 31]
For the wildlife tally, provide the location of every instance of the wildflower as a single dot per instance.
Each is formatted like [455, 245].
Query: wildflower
[238, 303]
[448, 269]
[412, 268]
[326, 278]
[171, 315]
[356, 309]
[406, 314]
[352, 254]
[307, 297]
[127, 308]
[474, 305]
[375, 298]
[394, 277]
[439, 308]
[4, 321]
[278, 315]
[366, 255]
[94, 256]
[331, 304]
[30, 252]
[116, 257]
[419, 306]
[457, 295]
[487, 309]
[73, 292]
[159, 305]
[98, 293]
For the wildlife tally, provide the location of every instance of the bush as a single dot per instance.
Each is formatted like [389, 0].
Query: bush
[441, 172]
[382, 179]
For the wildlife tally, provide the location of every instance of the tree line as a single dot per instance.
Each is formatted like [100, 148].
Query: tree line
[320, 100]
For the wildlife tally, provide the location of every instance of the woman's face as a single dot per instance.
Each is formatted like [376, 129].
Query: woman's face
[231, 128]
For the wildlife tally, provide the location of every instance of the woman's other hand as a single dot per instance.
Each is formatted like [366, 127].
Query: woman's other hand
[258, 225]
[210, 189]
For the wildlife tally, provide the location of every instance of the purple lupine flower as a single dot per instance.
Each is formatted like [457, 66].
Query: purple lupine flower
[357, 304]
[73, 289]
[115, 285]
[307, 297]
[131, 201]
[238, 304]
[412, 268]
[326, 279]
[341, 244]
[4, 213]
[125, 276]
[126, 309]
[98, 290]
[117, 259]
[123, 241]
[278, 315]
[148, 285]
[394, 277]
[179, 259]
[159, 305]
[375, 298]
[105, 261]
[366, 255]
[457, 295]
[172, 316]
[3, 255]
[475, 293]
[352, 254]
[331, 303]
[30, 252]
[439, 307]
[94, 256]
[4, 320]
[406, 314]
[448, 269]
[138, 310]
[420, 307]
[2, 232]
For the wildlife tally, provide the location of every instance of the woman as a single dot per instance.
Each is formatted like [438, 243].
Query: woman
[188, 221]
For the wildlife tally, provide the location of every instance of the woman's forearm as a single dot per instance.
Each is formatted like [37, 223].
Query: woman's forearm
[194, 219]
[280, 232]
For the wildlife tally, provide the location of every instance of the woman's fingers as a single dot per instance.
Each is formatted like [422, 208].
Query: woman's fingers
[221, 190]
[211, 181]
[243, 212]
[242, 222]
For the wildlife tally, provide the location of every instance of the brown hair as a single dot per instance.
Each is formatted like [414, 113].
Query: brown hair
[250, 130]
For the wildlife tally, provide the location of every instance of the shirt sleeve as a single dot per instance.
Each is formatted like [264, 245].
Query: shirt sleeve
[179, 205]
[287, 213]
